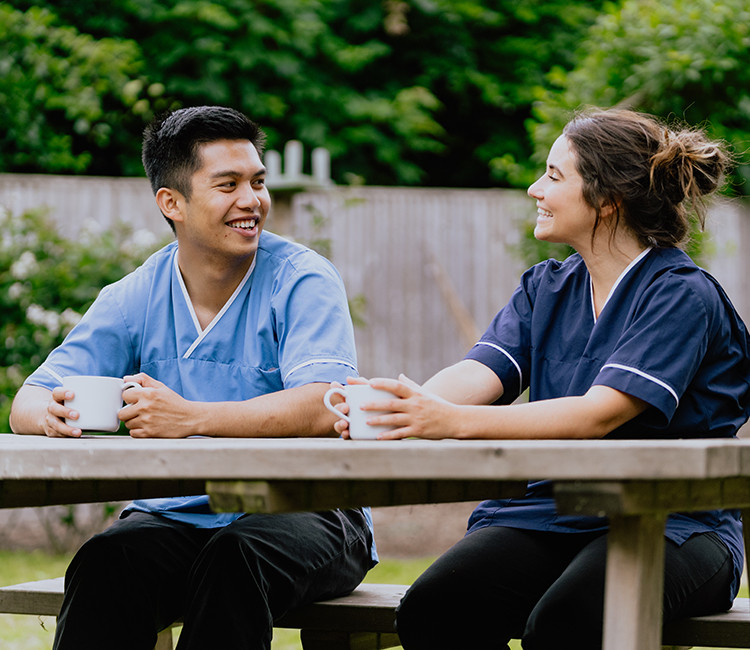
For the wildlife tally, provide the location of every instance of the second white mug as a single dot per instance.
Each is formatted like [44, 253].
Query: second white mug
[356, 395]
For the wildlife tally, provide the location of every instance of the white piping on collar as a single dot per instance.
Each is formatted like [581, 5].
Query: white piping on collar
[203, 333]
[641, 255]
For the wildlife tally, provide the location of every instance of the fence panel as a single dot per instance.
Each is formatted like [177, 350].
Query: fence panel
[432, 266]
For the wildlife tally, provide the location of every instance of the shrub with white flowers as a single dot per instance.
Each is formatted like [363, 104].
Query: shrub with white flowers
[46, 284]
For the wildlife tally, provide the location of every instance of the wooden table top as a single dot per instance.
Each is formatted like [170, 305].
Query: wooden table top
[121, 457]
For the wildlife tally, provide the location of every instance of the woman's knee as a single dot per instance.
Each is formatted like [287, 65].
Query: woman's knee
[563, 625]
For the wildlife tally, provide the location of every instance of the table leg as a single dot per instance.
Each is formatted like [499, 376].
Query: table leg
[635, 582]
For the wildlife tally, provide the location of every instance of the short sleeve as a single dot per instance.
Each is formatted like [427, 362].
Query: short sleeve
[662, 347]
[505, 345]
[313, 324]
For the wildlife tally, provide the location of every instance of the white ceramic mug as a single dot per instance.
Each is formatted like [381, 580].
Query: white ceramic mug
[356, 395]
[97, 400]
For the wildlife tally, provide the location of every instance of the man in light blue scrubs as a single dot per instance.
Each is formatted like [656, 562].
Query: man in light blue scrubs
[231, 331]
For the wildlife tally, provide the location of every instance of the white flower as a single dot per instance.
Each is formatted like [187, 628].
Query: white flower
[15, 290]
[24, 266]
[50, 320]
[70, 318]
[14, 374]
[35, 314]
[141, 240]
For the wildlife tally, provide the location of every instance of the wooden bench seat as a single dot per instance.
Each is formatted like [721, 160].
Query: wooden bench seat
[364, 619]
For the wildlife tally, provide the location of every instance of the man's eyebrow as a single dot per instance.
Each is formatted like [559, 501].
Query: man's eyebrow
[234, 173]
[554, 168]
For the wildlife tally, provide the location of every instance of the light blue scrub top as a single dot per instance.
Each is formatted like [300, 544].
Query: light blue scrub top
[667, 334]
[286, 325]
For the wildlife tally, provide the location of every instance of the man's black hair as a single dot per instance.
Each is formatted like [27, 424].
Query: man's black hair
[171, 143]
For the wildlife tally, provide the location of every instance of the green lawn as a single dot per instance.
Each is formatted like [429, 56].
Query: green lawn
[36, 633]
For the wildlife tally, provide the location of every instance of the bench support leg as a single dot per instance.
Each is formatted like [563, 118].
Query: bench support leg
[335, 640]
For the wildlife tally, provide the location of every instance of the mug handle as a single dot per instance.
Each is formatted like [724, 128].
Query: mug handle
[327, 401]
[130, 384]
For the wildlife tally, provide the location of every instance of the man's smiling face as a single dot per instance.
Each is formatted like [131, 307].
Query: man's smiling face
[229, 201]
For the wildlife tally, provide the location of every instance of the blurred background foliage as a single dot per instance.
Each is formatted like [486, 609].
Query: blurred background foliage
[400, 91]
[47, 282]
[454, 93]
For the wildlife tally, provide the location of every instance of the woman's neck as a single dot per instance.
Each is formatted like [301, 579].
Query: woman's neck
[605, 260]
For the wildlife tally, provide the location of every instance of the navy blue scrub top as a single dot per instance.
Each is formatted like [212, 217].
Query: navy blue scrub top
[667, 334]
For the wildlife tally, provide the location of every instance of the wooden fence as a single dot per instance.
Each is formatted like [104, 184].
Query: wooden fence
[425, 269]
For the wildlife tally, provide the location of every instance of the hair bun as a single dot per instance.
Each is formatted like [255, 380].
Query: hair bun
[687, 166]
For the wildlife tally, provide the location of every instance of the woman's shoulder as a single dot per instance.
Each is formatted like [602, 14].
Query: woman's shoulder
[674, 267]
[673, 273]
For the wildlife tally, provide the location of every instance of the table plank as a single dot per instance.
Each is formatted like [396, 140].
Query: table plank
[36, 492]
[290, 496]
[640, 497]
[114, 457]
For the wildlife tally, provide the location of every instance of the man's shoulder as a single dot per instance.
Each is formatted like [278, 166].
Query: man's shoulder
[156, 268]
[277, 254]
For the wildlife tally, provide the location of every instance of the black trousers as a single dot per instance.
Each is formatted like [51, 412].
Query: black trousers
[546, 589]
[228, 584]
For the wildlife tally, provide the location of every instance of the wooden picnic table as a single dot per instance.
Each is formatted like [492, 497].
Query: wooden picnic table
[635, 483]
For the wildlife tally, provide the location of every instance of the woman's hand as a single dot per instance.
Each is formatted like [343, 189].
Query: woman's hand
[414, 413]
[342, 426]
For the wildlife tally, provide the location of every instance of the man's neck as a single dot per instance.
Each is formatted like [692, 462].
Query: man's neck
[210, 284]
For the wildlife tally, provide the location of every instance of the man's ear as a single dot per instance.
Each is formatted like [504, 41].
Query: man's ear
[171, 203]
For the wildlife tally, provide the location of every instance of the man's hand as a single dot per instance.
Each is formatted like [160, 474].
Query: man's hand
[155, 411]
[41, 411]
[53, 423]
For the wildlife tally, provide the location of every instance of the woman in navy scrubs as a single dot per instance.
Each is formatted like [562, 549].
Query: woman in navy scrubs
[627, 338]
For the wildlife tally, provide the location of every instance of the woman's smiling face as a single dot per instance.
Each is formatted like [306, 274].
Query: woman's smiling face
[563, 216]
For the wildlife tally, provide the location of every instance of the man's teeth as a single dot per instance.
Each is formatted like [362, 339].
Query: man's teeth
[249, 224]
[544, 213]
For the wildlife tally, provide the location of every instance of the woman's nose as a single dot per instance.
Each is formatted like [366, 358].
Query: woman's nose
[535, 189]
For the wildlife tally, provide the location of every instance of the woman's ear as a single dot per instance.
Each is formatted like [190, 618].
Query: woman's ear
[171, 203]
[609, 209]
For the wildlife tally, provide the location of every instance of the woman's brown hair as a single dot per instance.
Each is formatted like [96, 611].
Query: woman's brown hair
[652, 175]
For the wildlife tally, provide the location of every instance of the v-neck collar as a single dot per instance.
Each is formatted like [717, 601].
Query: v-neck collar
[202, 333]
[615, 285]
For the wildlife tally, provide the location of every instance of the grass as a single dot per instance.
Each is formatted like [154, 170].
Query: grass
[37, 633]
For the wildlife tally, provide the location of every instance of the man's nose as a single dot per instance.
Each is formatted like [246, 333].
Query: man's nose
[248, 197]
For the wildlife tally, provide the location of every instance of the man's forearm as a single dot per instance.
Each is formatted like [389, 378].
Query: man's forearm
[294, 412]
[287, 413]
[29, 409]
